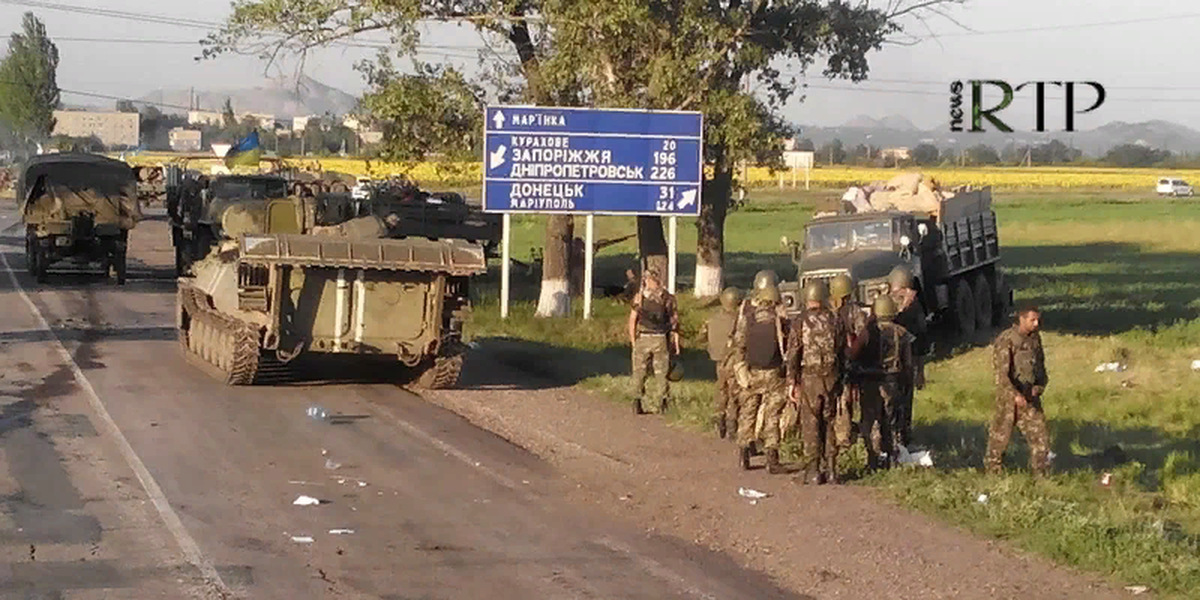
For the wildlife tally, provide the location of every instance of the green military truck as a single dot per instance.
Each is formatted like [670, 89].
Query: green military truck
[195, 206]
[77, 208]
[953, 251]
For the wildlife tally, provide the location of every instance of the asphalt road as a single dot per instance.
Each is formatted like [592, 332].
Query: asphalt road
[125, 472]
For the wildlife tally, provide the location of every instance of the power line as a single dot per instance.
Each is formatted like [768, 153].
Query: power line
[1110, 98]
[1065, 26]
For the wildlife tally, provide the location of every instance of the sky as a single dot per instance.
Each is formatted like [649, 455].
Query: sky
[1137, 50]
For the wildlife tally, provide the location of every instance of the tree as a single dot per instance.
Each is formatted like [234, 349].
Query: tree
[982, 154]
[925, 154]
[228, 117]
[29, 91]
[832, 152]
[1054, 152]
[683, 55]
[126, 106]
[1135, 155]
[805, 145]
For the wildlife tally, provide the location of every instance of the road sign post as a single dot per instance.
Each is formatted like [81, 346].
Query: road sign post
[558, 160]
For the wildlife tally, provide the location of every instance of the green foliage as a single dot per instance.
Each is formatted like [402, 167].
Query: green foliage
[1135, 155]
[832, 152]
[982, 154]
[925, 154]
[28, 88]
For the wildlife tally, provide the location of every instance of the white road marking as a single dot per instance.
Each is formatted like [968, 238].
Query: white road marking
[187, 544]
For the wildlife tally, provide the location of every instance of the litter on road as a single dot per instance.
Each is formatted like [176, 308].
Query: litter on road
[1196, 365]
[341, 531]
[332, 465]
[302, 539]
[306, 501]
[982, 499]
[1110, 367]
[1136, 590]
[752, 494]
[922, 458]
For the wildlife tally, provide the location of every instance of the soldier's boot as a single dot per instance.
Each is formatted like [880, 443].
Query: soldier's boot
[773, 465]
[755, 450]
[831, 473]
[662, 406]
[637, 407]
[744, 457]
[721, 426]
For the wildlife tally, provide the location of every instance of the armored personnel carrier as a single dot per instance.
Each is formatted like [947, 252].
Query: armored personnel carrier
[411, 212]
[277, 286]
[77, 207]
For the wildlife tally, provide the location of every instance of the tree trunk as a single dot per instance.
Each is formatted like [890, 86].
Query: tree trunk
[555, 299]
[652, 246]
[710, 231]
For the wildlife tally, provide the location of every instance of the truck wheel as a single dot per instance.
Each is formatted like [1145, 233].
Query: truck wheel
[118, 265]
[1000, 305]
[964, 310]
[31, 264]
[983, 303]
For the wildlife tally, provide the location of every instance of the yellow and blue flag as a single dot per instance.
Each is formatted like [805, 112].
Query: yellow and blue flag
[245, 152]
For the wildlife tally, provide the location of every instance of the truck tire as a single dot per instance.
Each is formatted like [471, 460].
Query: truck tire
[31, 255]
[964, 310]
[983, 303]
[119, 264]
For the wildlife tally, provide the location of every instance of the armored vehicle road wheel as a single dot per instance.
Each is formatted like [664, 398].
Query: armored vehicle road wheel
[983, 303]
[444, 371]
[964, 310]
[226, 347]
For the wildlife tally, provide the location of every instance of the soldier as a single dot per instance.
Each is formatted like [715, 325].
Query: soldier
[886, 368]
[814, 352]
[853, 319]
[757, 353]
[653, 318]
[1019, 364]
[718, 330]
[910, 315]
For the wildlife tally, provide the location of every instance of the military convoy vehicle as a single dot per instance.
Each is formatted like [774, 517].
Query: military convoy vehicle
[278, 286]
[78, 207]
[415, 213]
[195, 207]
[953, 252]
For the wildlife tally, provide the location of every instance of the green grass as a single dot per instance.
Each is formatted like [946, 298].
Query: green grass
[1115, 274]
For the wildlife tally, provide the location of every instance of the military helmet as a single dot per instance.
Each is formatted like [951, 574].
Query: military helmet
[768, 294]
[731, 298]
[675, 372]
[841, 286]
[816, 291]
[900, 277]
[884, 308]
[765, 278]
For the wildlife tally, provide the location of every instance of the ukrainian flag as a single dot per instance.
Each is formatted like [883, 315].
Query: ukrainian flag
[245, 152]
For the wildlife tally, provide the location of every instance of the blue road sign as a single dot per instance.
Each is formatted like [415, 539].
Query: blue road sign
[588, 160]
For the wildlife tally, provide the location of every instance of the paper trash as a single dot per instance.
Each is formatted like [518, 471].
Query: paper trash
[922, 458]
[341, 531]
[1196, 365]
[306, 501]
[1110, 367]
[302, 539]
[752, 494]
[1136, 590]
[982, 499]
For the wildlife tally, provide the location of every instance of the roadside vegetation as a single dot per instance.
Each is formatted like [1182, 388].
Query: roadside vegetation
[1115, 276]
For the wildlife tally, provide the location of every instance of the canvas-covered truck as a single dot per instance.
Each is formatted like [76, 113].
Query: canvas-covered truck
[276, 288]
[950, 241]
[77, 207]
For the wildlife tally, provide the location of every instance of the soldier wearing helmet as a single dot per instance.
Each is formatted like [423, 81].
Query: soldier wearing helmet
[886, 371]
[814, 361]
[654, 335]
[910, 315]
[756, 355]
[718, 332]
[853, 317]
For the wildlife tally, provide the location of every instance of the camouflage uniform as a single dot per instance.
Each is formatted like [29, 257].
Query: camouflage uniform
[911, 317]
[764, 365]
[853, 319]
[1019, 364]
[814, 351]
[718, 330]
[887, 371]
[658, 318]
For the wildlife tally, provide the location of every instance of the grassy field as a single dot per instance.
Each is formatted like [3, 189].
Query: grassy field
[1115, 273]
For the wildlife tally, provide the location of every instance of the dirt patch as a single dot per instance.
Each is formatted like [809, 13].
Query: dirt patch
[824, 541]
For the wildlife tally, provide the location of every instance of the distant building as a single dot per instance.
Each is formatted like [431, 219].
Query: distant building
[895, 153]
[264, 121]
[299, 124]
[205, 117]
[371, 137]
[351, 122]
[184, 140]
[111, 128]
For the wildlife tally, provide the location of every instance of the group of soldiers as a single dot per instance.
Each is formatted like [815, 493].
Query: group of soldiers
[816, 369]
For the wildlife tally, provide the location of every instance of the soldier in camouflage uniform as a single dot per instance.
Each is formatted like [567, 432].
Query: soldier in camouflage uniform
[814, 352]
[757, 355]
[1019, 363]
[853, 319]
[910, 316]
[718, 332]
[654, 335]
[886, 370]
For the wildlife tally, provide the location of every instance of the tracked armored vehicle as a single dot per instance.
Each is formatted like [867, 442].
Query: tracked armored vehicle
[278, 286]
[411, 212]
[77, 207]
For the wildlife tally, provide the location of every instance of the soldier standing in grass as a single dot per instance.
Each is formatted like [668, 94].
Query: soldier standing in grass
[654, 336]
[911, 317]
[718, 331]
[853, 319]
[757, 353]
[815, 348]
[886, 370]
[1019, 363]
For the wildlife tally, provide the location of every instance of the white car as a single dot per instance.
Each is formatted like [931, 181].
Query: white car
[1169, 186]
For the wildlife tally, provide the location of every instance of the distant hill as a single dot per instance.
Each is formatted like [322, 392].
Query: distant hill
[895, 130]
[284, 99]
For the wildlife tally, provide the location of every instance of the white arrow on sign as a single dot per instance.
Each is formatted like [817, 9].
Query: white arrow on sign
[689, 198]
[498, 119]
[498, 156]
